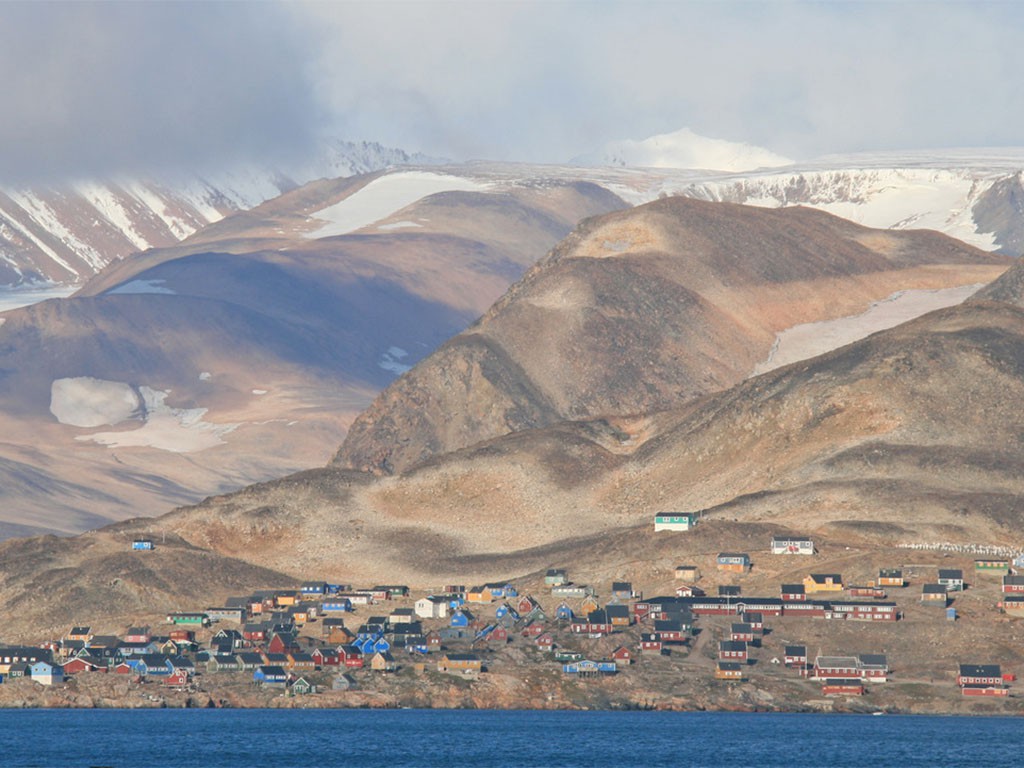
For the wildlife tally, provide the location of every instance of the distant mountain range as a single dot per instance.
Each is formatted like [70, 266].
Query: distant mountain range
[69, 232]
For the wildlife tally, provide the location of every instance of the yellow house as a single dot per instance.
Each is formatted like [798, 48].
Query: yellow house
[479, 595]
[589, 605]
[285, 600]
[460, 664]
[890, 577]
[382, 662]
[823, 582]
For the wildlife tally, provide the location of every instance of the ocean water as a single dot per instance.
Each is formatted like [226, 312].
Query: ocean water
[481, 739]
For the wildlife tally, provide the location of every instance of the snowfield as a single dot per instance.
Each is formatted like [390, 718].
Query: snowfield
[385, 196]
[802, 342]
[88, 403]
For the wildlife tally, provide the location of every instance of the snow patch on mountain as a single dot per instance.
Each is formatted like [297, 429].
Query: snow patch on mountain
[802, 342]
[143, 286]
[385, 196]
[389, 361]
[83, 401]
[683, 149]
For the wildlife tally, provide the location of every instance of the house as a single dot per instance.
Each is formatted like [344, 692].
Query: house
[555, 577]
[952, 579]
[823, 582]
[336, 605]
[298, 661]
[460, 618]
[578, 591]
[143, 545]
[225, 663]
[842, 687]
[890, 577]
[247, 661]
[525, 604]
[690, 573]
[326, 657]
[731, 671]
[1013, 605]
[1000, 567]
[467, 664]
[152, 665]
[482, 594]
[589, 605]
[622, 590]
[744, 632]
[81, 664]
[401, 616]
[836, 667]
[344, 683]
[563, 612]
[136, 635]
[269, 675]
[302, 687]
[313, 590]
[588, 668]
[792, 545]
[351, 656]
[1012, 583]
[733, 562]
[622, 655]
[382, 661]
[45, 673]
[670, 630]
[979, 674]
[16, 654]
[650, 642]
[933, 594]
[876, 593]
[755, 620]
[795, 656]
[597, 624]
[873, 667]
[732, 650]
[80, 634]
[729, 590]
[227, 613]
[794, 592]
[675, 521]
[177, 679]
[618, 615]
[544, 642]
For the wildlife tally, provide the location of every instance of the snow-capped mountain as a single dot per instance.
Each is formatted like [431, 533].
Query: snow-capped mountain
[683, 149]
[974, 195]
[65, 234]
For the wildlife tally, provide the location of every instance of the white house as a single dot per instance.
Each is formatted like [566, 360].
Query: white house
[792, 545]
[432, 607]
[675, 521]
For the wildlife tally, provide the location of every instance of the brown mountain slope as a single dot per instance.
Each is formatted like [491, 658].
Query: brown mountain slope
[641, 310]
[265, 341]
[913, 434]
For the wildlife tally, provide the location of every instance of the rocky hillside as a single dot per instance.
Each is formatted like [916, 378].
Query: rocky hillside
[909, 435]
[641, 310]
[243, 353]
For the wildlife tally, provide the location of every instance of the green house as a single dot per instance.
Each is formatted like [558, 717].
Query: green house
[675, 521]
[188, 619]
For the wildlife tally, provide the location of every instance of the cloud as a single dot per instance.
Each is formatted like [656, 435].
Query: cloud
[97, 88]
[100, 88]
[545, 81]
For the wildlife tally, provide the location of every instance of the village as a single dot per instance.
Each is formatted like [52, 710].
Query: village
[331, 638]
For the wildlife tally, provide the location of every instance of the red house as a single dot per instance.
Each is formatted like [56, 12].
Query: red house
[177, 679]
[842, 687]
[545, 642]
[1013, 584]
[326, 657]
[78, 665]
[795, 656]
[732, 650]
[979, 674]
[650, 642]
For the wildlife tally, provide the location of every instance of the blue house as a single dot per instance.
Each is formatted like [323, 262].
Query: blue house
[564, 612]
[586, 667]
[270, 675]
[45, 673]
[314, 589]
[336, 605]
[460, 618]
[152, 665]
[142, 545]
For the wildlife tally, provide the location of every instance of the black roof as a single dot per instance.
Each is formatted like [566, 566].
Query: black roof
[617, 610]
[732, 645]
[730, 666]
[730, 590]
[873, 660]
[981, 670]
[796, 650]
[933, 589]
[793, 589]
[950, 573]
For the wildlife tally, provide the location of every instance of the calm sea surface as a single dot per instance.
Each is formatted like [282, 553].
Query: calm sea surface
[465, 739]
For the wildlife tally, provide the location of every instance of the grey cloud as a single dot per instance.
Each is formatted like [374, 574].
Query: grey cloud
[100, 88]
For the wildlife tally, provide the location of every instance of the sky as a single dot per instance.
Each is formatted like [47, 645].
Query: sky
[96, 89]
